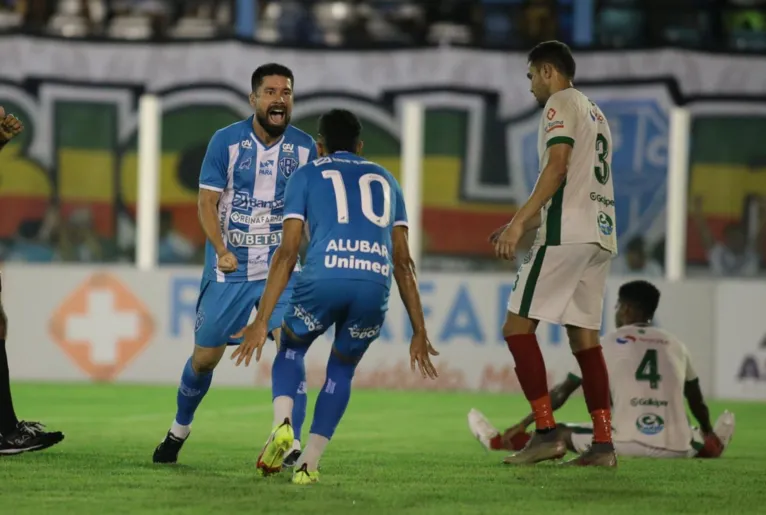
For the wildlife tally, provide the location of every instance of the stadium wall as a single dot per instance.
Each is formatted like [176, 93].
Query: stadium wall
[79, 103]
[79, 99]
[81, 323]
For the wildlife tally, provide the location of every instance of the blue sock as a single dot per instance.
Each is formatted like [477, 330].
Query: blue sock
[299, 407]
[288, 379]
[190, 393]
[334, 397]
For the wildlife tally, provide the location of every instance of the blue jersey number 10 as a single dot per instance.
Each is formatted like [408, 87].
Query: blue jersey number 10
[341, 202]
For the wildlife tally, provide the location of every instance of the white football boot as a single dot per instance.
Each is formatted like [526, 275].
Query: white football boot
[724, 427]
[481, 428]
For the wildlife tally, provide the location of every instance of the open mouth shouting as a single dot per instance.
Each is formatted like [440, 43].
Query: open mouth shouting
[277, 115]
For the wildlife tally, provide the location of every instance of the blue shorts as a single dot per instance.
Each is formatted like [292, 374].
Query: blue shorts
[356, 308]
[223, 309]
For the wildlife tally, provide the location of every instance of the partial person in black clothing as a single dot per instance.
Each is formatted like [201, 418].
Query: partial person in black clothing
[16, 436]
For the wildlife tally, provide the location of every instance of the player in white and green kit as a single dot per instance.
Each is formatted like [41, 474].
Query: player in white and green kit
[652, 382]
[568, 289]
[562, 280]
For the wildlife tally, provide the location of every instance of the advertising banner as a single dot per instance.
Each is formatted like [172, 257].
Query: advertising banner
[740, 359]
[119, 324]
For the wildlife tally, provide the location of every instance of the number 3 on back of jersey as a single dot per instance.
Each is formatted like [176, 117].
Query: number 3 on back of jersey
[602, 152]
[648, 370]
[365, 190]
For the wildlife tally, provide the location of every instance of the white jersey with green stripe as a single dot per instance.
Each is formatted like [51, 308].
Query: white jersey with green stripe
[648, 368]
[582, 210]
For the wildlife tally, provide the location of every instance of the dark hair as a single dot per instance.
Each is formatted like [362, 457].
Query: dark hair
[733, 228]
[642, 295]
[29, 229]
[555, 53]
[340, 130]
[635, 245]
[270, 69]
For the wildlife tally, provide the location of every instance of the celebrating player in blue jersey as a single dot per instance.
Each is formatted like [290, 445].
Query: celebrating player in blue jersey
[241, 202]
[345, 282]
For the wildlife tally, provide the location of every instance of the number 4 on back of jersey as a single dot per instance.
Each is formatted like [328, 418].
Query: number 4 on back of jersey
[648, 371]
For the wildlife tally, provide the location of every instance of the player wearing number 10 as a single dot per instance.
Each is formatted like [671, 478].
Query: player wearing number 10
[354, 250]
[563, 279]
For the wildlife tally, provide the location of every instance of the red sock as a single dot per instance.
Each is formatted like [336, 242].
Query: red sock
[496, 443]
[519, 440]
[530, 369]
[517, 443]
[595, 386]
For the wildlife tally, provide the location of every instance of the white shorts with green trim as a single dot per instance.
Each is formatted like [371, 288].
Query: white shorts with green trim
[582, 438]
[562, 284]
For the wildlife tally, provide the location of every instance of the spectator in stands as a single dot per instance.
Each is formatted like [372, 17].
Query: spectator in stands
[540, 22]
[29, 246]
[160, 13]
[200, 8]
[733, 255]
[36, 13]
[456, 13]
[746, 26]
[77, 238]
[292, 21]
[620, 23]
[635, 261]
[174, 248]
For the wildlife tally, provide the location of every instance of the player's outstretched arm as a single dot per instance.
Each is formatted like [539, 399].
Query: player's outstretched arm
[10, 127]
[713, 447]
[533, 223]
[550, 181]
[697, 405]
[282, 265]
[529, 225]
[207, 207]
[406, 280]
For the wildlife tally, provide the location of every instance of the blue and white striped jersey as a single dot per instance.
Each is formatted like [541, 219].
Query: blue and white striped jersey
[252, 179]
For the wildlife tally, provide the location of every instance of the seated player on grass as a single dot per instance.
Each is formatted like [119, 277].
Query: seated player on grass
[650, 375]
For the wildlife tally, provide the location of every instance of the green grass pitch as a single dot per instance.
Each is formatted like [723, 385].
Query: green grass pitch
[395, 452]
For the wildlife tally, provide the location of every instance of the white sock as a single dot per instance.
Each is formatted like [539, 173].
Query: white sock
[313, 452]
[283, 408]
[179, 430]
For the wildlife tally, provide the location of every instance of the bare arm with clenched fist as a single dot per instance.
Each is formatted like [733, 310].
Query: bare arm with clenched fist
[10, 126]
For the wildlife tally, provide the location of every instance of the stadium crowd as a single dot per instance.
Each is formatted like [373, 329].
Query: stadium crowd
[732, 24]
[517, 24]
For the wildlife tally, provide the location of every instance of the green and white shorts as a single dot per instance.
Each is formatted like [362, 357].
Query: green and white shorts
[562, 284]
